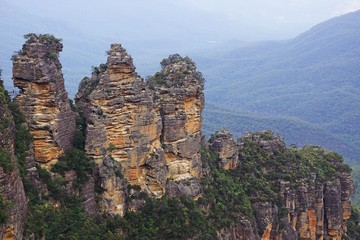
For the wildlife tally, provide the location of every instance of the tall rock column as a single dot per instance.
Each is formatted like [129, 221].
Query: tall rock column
[150, 131]
[43, 99]
[123, 129]
[179, 93]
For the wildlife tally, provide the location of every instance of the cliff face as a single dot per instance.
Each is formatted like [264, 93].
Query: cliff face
[179, 95]
[13, 204]
[43, 99]
[145, 138]
[123, 129]
[223, 144]
[151, 135]
[312, 187]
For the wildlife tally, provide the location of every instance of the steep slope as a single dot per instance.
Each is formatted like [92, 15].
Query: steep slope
[313, 77]
[295, 130]
[316, 207]
[42, 98]
[151, 133]
[154, 175]
[13, 203]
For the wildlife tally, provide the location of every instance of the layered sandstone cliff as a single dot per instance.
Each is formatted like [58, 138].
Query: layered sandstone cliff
[43, 99]
[151, 133]
[13, 203]
[178, 89]
[145, 138]
[312, 186]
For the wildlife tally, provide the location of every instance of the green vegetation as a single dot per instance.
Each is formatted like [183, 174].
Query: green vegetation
[87, 85]
[100, 69]
[356, 177]
[79, 136]
[3, 205]
[23, 140]
[353, 224]
[5, 161]
[175, 79]
[295, 130]
[305, 88]
[43, 38]
[51, 56]
[75, 159]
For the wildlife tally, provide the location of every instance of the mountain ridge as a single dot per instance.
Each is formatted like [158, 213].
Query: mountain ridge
[313, 77]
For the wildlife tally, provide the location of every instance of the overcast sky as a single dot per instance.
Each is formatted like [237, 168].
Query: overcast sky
[217, 20]
[153, 29]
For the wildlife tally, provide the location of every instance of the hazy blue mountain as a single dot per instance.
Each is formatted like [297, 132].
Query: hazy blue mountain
[313, 79]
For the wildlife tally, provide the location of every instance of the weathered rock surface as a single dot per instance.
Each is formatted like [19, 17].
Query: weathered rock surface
[152, 134]
[223, 144]
[122, 122]
[241, 230]
[43, 99]
[11, 187]
[315, 208]
[179, 94]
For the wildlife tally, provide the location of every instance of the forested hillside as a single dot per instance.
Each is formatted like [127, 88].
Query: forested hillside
[300, 87]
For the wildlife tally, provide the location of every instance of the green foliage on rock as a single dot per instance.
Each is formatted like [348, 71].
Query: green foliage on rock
[3, 214]
[177, 76]
[6, 162]
[69, 221]
[23, 139]
[87, 85]
[43, 38]
[76, 160]
[353, 224]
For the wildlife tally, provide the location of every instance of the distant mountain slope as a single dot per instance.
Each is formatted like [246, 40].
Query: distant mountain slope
[296, 131]
[314, 77]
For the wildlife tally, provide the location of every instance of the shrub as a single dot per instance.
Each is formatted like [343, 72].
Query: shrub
[76, 160]
[3, 205]
[5, 160]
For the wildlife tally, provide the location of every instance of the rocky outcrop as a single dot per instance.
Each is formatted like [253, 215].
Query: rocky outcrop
[151, 131]
[123, 126]
[43, 99]
[316, 206]
[13, 203]
[242, 229]
[179, 94]
[223, 144]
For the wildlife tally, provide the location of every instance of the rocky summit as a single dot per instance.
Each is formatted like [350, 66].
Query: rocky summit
[152, 131]
[129, 161]
[43, 99]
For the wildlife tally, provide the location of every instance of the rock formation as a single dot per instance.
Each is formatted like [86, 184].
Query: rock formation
[145, 138]
[43, 99]
[123, 129]
[153, 135]
[314, 206]
[13, 203]
[179, 95]
[223, 144]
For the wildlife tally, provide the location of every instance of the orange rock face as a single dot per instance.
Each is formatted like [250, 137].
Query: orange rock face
[314, 208]
[267, 233]
[43, 99]
[152, 135]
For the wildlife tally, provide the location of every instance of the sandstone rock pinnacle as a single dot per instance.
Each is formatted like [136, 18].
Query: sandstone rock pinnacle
[151, 131]
[43, 99]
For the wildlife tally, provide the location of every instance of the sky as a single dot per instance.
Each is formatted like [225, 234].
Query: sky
[152, 30]
[213, 19]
